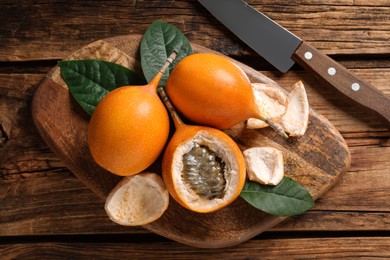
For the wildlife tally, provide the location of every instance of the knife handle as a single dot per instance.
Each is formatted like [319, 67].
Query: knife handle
[342, 79]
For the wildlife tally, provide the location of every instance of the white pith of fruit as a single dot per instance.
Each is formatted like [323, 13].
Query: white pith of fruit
[137, 200]
[271, 102]
[296, 118]
[264, 165]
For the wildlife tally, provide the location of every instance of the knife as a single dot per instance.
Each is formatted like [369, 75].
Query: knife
[283, 49]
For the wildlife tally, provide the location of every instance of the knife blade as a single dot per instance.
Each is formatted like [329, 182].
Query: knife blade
[283, 49]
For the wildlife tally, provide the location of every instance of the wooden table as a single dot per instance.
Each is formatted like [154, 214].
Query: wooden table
[47, 213]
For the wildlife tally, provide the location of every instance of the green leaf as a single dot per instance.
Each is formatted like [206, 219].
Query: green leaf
[286, 199]
[90, 80]
[158, 42]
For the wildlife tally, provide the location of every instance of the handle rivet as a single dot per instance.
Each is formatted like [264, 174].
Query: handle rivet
[332, 71]
[308, 55]
[355, 86]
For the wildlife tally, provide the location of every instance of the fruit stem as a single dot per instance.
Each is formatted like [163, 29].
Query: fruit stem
[277, 128]
[175, 117]
[154, 82]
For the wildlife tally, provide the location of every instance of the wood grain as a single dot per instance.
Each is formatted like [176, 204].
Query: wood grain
[309, 248]
[34, 35]
[27, 162]
[56, 203]
[335, 75]
[310, 159]
[335, 27]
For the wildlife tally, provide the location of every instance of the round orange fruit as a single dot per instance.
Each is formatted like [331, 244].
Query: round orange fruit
[128, 130]
[129, 127]
[210, 89]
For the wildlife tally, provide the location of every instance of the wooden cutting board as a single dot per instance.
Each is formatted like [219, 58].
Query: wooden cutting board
[316, 160]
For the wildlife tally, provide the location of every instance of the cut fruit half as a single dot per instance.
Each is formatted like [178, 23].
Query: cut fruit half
[264, 165]
[296, 119]
[271, 102]
[137, 200]
[203, 168]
